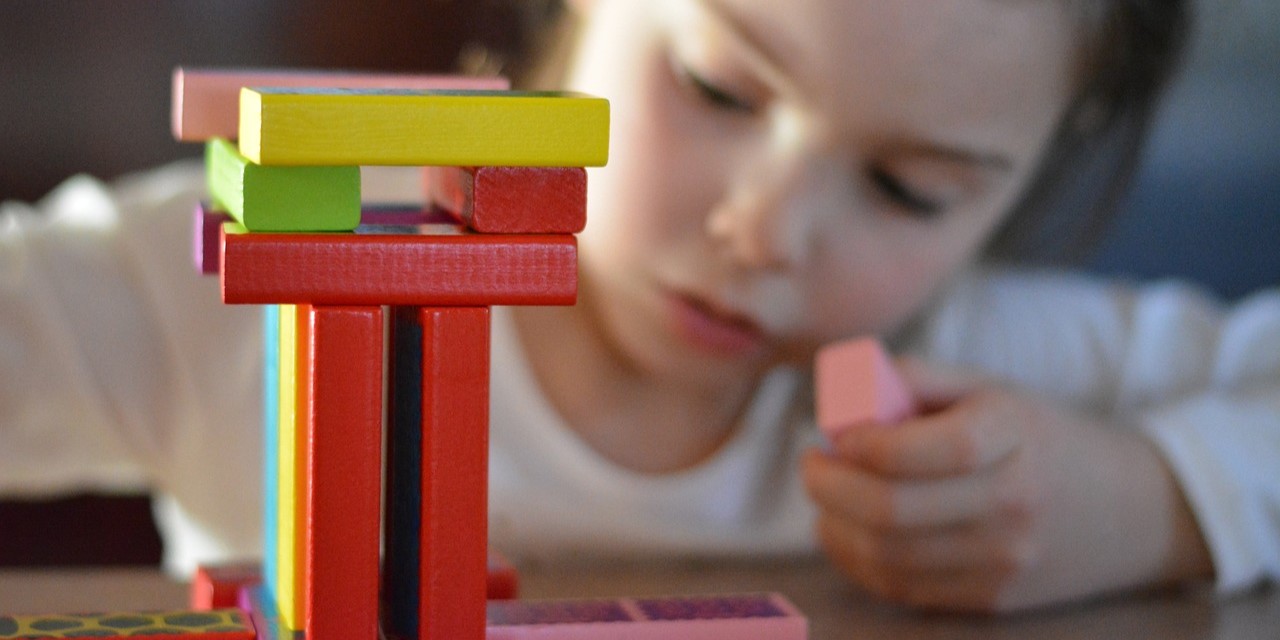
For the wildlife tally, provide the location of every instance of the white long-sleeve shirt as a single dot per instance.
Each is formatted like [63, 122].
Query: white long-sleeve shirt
[120, 369]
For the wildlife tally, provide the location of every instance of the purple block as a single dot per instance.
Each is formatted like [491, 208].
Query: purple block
[767, 616]
[205, 248]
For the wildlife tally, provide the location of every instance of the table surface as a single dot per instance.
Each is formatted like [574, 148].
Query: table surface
[835, 609]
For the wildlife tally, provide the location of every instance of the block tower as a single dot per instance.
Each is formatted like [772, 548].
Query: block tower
[345, 287]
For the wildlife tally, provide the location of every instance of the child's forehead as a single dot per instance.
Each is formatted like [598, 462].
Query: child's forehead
[914, 59]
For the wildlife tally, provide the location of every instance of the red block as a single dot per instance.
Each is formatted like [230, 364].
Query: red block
[218, 587]
[453, 512]
[409, 270]
[504, 580]
[512, 199]
[343, 405]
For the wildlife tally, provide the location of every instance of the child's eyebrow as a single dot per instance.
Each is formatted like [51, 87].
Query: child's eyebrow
[770, 55]
[994, 160]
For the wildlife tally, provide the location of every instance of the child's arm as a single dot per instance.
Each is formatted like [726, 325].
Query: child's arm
[999, 499]
[119, 366]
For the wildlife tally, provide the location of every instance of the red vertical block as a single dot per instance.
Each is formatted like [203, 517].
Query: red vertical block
[453, 565]
[343, 402]
[512, 199]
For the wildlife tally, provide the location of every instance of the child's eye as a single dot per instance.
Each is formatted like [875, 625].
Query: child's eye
[902, 195]
[711, 93]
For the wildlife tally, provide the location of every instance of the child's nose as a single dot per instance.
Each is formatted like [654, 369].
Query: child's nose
[769, 214]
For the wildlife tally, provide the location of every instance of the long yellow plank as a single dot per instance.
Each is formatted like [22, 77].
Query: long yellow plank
[292, 126]
[289, 559]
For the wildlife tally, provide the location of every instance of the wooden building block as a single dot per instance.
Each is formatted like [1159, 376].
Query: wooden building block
[283, 126]
[767, 616]
[219, 586]
[282, 198]
[219, 624]
[286, 586]
[270, 445]
[504, 580]
[265, 616]
[512, 199]
[206, 102]
[343, 401]
[204, 249]
[411, 270]
[855, 384]
[436, 559]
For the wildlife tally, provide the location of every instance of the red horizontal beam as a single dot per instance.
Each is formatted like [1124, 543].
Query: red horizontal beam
[414, 270]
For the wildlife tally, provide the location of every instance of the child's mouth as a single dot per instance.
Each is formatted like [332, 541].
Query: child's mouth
[715, 329]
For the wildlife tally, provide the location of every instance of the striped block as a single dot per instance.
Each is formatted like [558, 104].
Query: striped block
[206, 102]
[409, 270]
[767, 616]
[282, 198]
[855, 384]
[219, 624]
[512, 199]
[400, 127]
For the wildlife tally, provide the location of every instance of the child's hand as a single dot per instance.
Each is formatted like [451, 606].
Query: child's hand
[994, 500]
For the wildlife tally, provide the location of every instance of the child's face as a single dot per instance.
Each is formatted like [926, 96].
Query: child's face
[783, 174]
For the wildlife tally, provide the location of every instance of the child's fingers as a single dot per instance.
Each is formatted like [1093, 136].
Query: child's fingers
[935, 386]
[883, 504]
[1002, 545]
[968, 436]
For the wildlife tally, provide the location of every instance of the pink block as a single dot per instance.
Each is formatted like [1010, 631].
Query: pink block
[856, 383]
[206, 102]
[763, 616]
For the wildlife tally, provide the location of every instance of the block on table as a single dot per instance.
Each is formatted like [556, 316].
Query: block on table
[218, 624]
[766, 616]
[219, 586]
[343, 408]
[437, 511]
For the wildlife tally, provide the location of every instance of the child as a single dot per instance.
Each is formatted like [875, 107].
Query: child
[778, 179]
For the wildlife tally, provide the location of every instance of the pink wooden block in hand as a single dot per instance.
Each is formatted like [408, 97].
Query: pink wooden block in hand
[855, 383]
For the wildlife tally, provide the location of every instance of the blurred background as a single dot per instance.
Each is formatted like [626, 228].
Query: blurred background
[84, 88]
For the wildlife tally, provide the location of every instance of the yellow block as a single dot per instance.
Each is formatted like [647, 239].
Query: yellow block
[293, 470]
[289, 126]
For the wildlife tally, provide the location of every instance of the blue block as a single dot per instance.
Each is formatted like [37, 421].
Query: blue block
[271, 444]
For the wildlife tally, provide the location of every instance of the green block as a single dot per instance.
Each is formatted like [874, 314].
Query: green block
[282, 198]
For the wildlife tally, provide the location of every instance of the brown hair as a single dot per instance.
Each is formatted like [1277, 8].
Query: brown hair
[1129, 50]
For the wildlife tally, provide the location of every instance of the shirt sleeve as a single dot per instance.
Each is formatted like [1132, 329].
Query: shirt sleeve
[1199, 378]
[116, 358]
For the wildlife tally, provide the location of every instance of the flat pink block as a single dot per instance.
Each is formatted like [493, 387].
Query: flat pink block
[206, 102]
[855, 384]
[763, 616]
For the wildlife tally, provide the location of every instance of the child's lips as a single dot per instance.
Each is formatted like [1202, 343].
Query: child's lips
[714, 328]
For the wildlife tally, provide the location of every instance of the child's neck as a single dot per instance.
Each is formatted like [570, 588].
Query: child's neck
[640, 422]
